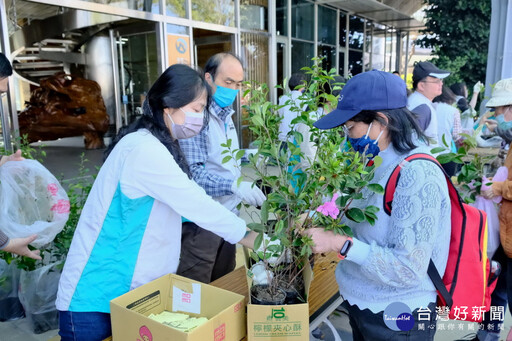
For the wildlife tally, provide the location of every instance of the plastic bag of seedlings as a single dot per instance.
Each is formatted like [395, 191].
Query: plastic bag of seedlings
[31, 202]
[38, 292]
[10, 306]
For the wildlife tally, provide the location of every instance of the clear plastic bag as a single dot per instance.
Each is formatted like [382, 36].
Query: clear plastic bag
[31, 202]
[10, 306]
[493, 223]
[38, 292]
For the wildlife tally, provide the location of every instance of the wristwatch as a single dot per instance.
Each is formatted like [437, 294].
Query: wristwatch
[344, 249]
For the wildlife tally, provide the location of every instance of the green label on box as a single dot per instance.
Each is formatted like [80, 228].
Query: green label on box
[276, 325]
[276, 329]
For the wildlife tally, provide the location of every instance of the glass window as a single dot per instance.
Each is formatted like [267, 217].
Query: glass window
[356, 33]
[390, 50]
[326, 25]
[255, 56]
[282, 17]
[176, 8]
[176, 29]
[368, 45]
[378, 47]
[343, 29]
[355, 62]
[140, 66]
[256, 65]
[152, 6]
[301, 55]
[302, 20]
[328, 53]
[221, 12]
[253, 16]
[367, 56]
[392, 62]
[341, 68]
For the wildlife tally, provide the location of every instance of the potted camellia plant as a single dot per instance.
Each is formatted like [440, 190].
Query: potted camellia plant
[305, 190]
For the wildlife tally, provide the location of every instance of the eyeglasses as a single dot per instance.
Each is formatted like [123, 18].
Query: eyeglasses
[437, 81]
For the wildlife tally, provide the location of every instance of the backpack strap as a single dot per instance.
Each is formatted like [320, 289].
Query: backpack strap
[436, 279]
[392, 182]
[389, 194]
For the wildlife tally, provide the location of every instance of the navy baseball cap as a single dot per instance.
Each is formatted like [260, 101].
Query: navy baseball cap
[424, 69]
[373, 90]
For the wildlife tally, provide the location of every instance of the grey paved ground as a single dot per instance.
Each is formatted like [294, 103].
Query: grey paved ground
[62, 159]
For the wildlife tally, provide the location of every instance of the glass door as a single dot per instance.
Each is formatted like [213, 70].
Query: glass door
[283, 63]
[137, 56]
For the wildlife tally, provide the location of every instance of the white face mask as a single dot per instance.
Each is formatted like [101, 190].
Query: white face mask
[190, 128]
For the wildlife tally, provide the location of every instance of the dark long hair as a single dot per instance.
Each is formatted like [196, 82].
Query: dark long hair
[402, 126]
[458, 89]
[176, 87]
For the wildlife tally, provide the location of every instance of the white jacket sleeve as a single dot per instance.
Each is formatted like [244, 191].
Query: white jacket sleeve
[151, 170]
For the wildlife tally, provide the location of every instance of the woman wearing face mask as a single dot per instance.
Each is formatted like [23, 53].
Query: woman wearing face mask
[129, 231]
[387, 263]
[501, 101]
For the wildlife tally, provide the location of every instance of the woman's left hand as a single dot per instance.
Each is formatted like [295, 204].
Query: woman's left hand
[325, 241]
[19, 246]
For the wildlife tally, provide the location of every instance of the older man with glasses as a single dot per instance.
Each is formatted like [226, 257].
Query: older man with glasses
[427, 83]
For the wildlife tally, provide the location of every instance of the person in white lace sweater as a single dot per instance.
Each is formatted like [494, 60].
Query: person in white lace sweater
[387, 263]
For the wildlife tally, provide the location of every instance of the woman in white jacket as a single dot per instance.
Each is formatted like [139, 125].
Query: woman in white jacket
[129, 231]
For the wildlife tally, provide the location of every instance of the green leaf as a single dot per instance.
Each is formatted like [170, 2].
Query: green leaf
[264, 212]
[255, 257]
[370, 220]
[377, 161]
[437, 150]
[258, 120]
[356, 215]
[226, 158]
[372, 209]
[376, 188]
[239, 154]
[256, 227]
[257, 241]
[445, 158]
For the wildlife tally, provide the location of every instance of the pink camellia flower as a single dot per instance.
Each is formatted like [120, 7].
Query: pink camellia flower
[53, 189]
[61, 207]
[329, 208]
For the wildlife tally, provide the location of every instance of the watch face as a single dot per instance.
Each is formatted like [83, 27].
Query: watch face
[346, 246]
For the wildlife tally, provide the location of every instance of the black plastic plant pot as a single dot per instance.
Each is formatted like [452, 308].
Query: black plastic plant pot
[264, 188]
[292, 296]
[44, 322]
[11, 309]
[261, 296]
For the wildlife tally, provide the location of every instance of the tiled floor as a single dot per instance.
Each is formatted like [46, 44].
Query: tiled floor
[63, 158]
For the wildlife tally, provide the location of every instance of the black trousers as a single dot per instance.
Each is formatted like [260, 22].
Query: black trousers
[205, 256]
[367, 326]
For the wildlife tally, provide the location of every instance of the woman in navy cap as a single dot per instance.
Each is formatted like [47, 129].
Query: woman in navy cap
[383, 275]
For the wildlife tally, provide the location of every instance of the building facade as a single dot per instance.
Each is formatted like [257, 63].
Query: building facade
[125, 44]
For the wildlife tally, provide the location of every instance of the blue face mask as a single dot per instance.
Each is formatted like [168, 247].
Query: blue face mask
[224, 97]
[365, 144]
[504, 125]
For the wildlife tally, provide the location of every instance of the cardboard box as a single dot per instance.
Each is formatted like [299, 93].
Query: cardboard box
[224, 310]
[280, 322]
